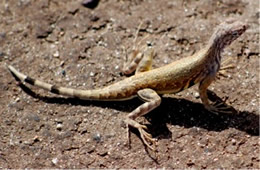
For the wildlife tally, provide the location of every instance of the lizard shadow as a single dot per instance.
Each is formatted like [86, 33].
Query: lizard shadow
[172, 111]
[189, 114]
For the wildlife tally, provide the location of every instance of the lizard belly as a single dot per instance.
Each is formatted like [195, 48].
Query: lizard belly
[169, 91]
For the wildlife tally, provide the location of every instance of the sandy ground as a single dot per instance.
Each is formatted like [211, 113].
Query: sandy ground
[65, 43]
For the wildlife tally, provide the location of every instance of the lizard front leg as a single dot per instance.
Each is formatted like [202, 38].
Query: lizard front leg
[152, 100]
[204, 84]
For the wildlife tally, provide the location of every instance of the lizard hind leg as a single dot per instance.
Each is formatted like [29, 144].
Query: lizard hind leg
[146, 62]
[139, 61]
[132, 62]
[152, 100]
[136, 56]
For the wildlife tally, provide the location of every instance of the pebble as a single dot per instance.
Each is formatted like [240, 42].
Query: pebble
[90, 3]
[97, 137]
[54, 161]
[196, 95]
[92, 74]
[165, 61]
[43, 31]
[59, 126]
[63, 72]
[116, 67]
[17, 99]
[56, 54]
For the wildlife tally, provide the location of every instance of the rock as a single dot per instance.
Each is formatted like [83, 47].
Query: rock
[90, 3]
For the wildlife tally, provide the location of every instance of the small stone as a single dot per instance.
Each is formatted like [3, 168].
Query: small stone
[233, 141]
[196, 95]
[36, 139]
[116, 67]
[92, 74]
[54, 161]
[165, 61]
[62, 63]
[17, 99]
[247, 52]
[59, 126]
[56, 54]
[94, 18]
[90, 3]
[63, 72]
[43, 30]
[97, 137]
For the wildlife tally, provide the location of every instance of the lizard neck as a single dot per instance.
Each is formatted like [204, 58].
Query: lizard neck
[212, 57]
[214, 50]
[216, 45]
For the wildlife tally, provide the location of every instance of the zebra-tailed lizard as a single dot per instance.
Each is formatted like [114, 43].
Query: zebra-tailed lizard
[148, 84]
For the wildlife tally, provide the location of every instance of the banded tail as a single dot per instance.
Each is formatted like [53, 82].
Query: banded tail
[95, 94]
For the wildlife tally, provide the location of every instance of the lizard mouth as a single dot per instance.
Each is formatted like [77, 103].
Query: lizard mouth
[241, 30]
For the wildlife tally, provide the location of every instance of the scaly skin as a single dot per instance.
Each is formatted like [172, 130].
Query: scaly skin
[200, 68]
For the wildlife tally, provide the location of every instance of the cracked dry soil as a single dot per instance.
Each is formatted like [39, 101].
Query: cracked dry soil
[64, 43]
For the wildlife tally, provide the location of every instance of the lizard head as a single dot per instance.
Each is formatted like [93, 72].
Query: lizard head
[227, 32]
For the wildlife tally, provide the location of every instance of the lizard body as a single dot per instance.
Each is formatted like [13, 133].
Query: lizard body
[167, 79]
[200, 68]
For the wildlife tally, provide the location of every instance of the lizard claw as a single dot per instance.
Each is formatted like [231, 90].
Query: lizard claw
[147, 137]
[219, 108]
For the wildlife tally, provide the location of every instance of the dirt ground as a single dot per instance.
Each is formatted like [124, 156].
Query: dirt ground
[65, 43]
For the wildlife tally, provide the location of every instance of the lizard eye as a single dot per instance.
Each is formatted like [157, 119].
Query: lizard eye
[235, 33]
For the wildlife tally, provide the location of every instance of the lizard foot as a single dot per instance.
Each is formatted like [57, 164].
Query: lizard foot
[219, 108]
[145, 136]
[224, 70]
